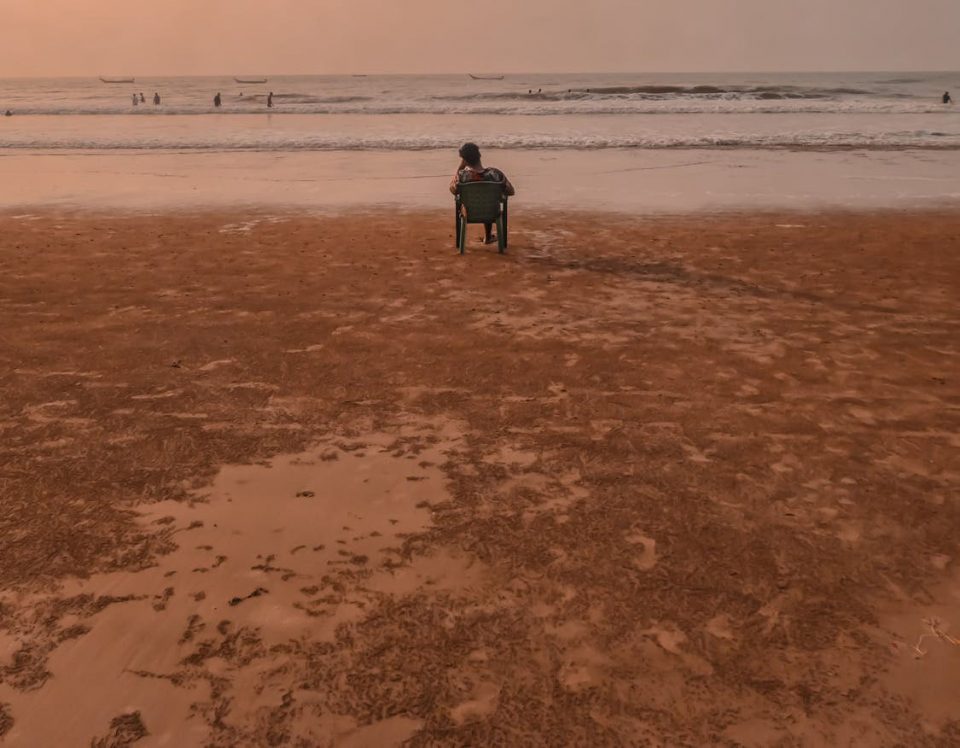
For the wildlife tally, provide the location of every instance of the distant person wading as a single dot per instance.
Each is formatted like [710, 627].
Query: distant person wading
[270, 100]
[217, 100]
[156, 99]
[947, 99]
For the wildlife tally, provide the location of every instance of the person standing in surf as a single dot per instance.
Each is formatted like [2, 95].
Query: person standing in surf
[217, 100]
[156, 99]
[947, 98]
[270, 100]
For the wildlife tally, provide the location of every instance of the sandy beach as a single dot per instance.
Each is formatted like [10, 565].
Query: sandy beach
[279, 479]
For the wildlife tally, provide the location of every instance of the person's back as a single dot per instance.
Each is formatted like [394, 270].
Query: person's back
[480, 174]
[471, 169]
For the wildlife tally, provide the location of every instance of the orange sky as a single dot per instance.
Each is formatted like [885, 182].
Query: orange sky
[155, 37]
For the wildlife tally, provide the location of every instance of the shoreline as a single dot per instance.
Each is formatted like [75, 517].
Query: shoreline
[661, 478]
[681, 181]
[537, 211]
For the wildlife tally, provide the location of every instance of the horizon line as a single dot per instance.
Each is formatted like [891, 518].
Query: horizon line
[469, 72]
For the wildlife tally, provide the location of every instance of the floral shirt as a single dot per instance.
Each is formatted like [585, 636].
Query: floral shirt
[487, 175]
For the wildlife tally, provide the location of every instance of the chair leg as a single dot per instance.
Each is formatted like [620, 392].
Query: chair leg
[506, 236]
[457, 218]
[501, 235]
[462, 238]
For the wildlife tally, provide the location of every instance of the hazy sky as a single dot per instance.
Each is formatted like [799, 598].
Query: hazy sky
[155, 37]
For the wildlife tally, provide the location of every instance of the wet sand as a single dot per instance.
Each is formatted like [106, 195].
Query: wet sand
[274, 479]
[622, 180]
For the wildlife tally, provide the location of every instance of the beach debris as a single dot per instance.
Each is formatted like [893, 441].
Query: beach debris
[305, 494]
[176, 364]
[936, 631]
[125, 730]
[256, 593]
[6, 721]
[162, 600]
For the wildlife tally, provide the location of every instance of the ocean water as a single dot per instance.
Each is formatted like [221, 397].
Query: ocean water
[877, 111]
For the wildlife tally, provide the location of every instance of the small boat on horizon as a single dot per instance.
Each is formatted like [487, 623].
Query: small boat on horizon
[486, 77]
[254, 81]
[117, 80]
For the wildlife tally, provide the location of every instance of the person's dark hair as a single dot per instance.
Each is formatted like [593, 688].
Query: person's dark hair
[470, 153]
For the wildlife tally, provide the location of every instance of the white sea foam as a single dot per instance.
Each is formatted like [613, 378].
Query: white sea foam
[343, 142]
[533, 107]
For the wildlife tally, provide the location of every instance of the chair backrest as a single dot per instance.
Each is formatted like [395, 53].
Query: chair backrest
[482, 200]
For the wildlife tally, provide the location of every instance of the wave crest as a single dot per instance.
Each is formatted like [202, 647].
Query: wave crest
[329, 142]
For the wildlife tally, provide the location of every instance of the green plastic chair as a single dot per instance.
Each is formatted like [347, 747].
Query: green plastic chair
[482, 202]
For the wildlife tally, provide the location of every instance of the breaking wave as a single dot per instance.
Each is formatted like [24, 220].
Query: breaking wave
[511, 105]
[329, 142]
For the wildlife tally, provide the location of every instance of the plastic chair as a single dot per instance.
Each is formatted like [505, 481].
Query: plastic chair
[481, 202]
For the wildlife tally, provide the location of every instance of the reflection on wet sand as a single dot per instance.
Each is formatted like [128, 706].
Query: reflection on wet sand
[287, 550]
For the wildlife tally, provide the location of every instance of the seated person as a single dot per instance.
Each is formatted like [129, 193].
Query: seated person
[471, 169]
